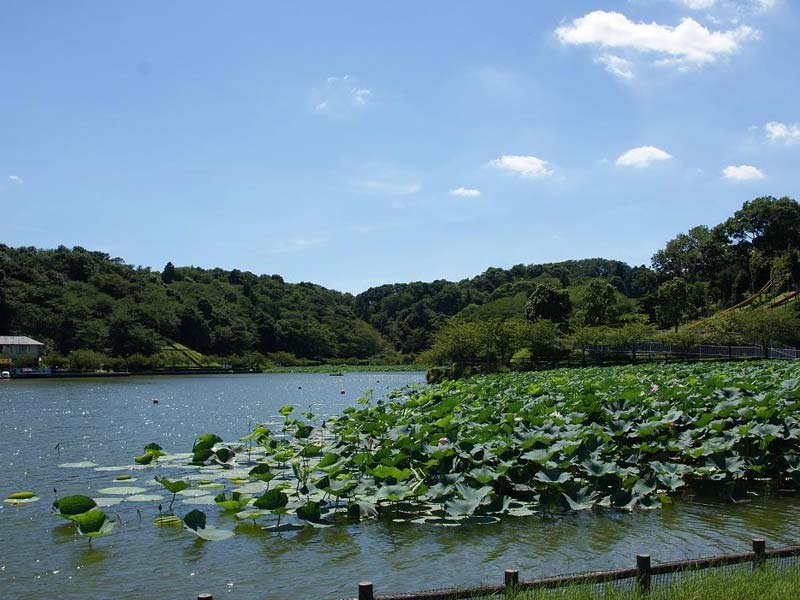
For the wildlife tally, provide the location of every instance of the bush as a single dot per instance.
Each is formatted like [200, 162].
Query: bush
[54, 360]
[86, 360]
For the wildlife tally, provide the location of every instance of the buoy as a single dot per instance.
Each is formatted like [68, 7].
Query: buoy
[299, 387]
[342, 392]
[155, 401]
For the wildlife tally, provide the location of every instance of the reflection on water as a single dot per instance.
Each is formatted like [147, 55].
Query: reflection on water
[109, 422]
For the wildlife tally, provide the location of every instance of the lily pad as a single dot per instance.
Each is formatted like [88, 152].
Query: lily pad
[123, 490]
[24, 497]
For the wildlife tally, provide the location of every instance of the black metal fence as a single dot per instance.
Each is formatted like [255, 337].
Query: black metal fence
[702, 351]
[643, 576]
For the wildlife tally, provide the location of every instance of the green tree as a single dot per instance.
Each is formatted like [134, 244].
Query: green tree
[86, 360]
[542, 339]
[633, 333]
[671, 302]
[585, 336]
[168, 275]
[725, 328]
[599, 301]
[767, 327]
[547, 302]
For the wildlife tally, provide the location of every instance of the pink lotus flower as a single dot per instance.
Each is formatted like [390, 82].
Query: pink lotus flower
[443, 441]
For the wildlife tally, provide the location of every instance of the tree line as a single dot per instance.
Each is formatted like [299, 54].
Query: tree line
[77, 300]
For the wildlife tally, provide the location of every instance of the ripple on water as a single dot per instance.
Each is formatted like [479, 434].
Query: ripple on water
[109, 423]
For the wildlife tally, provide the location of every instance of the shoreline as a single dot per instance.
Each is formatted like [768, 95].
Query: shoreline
[322, 370]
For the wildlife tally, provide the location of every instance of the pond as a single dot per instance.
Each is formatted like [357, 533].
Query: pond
[44, 424]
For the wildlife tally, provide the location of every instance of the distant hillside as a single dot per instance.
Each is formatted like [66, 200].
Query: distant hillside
[409, 313]
[76, 299]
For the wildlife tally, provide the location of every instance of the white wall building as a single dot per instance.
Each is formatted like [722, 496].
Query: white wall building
[19, 345]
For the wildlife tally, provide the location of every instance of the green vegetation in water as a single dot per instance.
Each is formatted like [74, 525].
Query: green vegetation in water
[739, 584]
[25, 497]
[476, 450]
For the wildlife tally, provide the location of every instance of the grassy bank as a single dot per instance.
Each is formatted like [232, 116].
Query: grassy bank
[770, 584]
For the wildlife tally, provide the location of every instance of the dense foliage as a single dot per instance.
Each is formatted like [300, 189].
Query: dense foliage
[515, 444]
[74, 299]
[77, 300]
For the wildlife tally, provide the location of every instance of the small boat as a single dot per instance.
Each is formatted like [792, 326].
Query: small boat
[5, 375]
[337, 374]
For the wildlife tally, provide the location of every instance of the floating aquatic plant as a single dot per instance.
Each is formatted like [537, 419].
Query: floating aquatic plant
[173, 487]
[195, 521]
[25, 497]
[471, 451]
[71, 506]
[93, 523]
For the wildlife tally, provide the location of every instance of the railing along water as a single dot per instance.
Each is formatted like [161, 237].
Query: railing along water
[641, 576]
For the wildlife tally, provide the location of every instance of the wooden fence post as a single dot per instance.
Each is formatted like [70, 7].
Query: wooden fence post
[365, 591]
[511, 579]
[759, 548]
[643, 573]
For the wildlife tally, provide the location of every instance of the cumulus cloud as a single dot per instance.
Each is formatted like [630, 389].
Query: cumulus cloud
[528, 166]
[391, 188]
[766, 4]
[698, 4]
[16, 179]
[340, 94]
[685, 45]
[297, 244]
[742, 173]
[642, 157]
[782, 132]
[616, 65]
[465, 192]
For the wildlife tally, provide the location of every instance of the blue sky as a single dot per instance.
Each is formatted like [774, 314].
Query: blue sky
[359, 143]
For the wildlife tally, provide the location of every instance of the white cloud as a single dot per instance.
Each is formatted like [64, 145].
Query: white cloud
[16, 179]
[616, 65]
[391, 188]
[687, 44]
[465, 192]
[337, 95]
[297, 244]
[742, 173]
[528, 166]
[642, 157]
[781, 132]
[698, 4]
[766, 4]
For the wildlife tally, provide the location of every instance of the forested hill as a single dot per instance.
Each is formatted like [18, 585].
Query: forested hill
[74, 299]
[696, 274]
[409, 313]
[77, 299]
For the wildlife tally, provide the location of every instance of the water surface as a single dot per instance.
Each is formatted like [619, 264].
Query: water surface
[108, 422]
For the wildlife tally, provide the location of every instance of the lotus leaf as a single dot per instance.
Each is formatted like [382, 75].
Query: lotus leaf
[69, 506]
[271, 500]
[93, 523]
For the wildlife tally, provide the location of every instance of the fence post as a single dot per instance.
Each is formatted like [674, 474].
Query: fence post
[511, 579]
[643, 573]
[759, 558]
[365, 591]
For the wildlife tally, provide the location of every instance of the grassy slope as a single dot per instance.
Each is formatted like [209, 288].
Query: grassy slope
[771, 584]
[513, 307]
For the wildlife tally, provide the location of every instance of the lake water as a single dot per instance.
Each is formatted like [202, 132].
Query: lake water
[108, 421]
